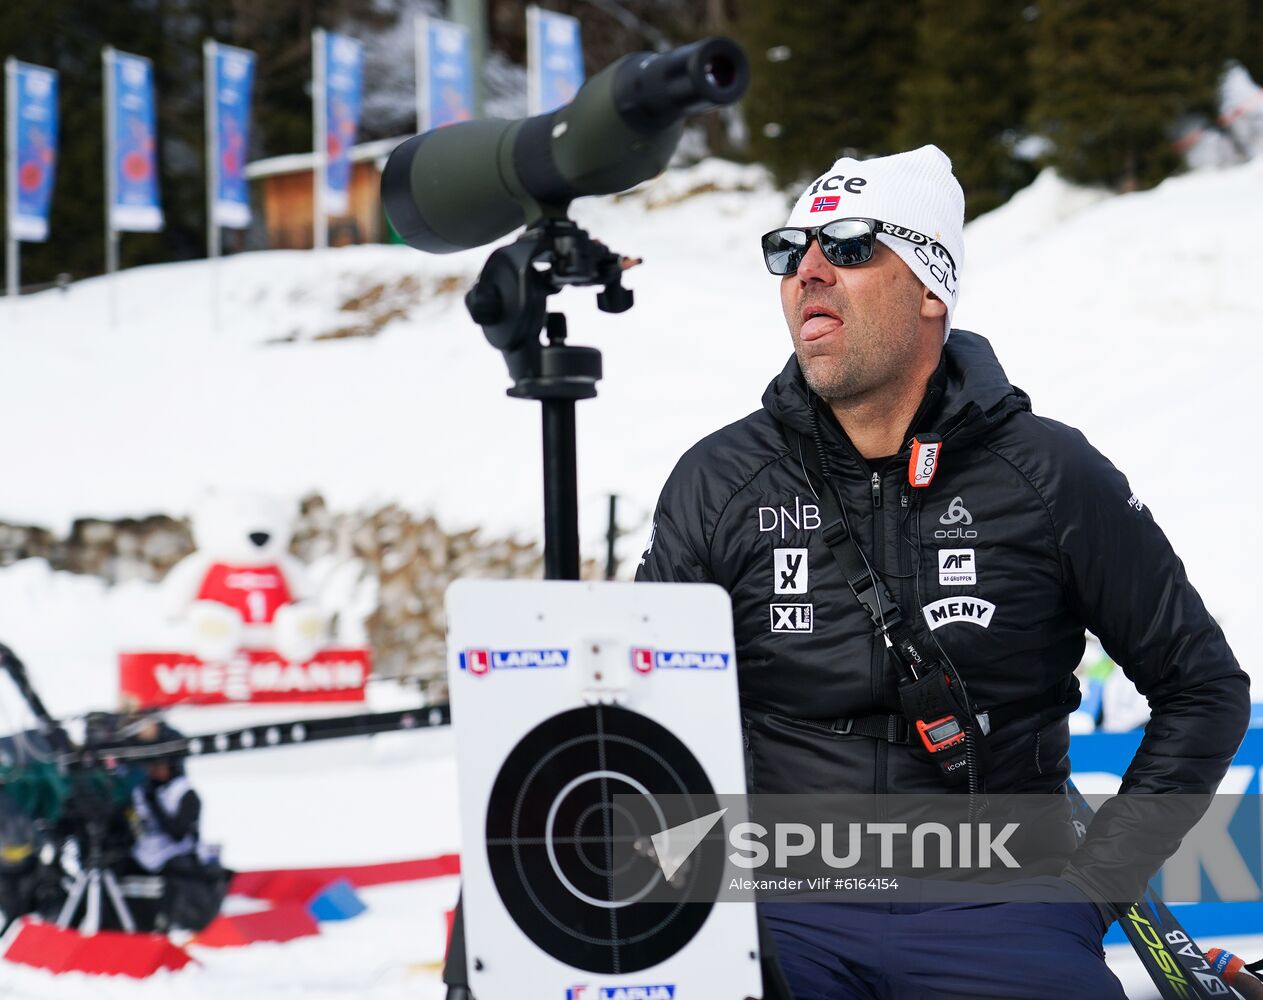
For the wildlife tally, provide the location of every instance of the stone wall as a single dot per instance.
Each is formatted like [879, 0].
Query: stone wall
[413, 559]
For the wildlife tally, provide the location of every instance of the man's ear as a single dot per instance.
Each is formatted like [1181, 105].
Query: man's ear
[932, 307]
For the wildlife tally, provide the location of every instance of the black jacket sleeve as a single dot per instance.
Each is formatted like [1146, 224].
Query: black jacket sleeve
[677, 550]
[1131, 590]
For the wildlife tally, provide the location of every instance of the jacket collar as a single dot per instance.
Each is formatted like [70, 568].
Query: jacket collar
[975, 394]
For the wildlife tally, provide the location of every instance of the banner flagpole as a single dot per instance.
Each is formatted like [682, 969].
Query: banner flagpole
[320, 142]
[420, 40]
[209, 52]
[533, 100]
[11, 175]
[210, 72]
[111, 194]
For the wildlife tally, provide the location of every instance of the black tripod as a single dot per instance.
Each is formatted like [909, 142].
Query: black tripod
[509, 302]
[95, 878]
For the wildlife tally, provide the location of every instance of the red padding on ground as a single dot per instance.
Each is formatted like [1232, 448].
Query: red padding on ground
[299, 885]
[281, 923]
[108, 953]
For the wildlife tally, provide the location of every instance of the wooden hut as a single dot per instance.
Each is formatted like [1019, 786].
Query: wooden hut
[284, 186]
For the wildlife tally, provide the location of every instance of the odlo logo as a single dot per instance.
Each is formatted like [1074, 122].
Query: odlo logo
[956, 514]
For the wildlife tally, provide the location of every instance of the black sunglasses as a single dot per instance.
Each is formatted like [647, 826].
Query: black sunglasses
[844, 243]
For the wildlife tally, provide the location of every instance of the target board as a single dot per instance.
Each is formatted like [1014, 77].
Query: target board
[590, 718]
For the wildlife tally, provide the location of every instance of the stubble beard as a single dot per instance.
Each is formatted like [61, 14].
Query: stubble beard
[873, 359]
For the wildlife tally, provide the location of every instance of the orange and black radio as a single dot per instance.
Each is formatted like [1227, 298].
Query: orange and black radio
[941, 734]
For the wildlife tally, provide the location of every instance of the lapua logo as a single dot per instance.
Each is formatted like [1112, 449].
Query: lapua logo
[637, 992]
[483, 661]
[645, 660]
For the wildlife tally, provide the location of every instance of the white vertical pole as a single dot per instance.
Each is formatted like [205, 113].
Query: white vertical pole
[210, 73]
[421, 57]
[11, 174]
[111, 237]
[532, 60]
[320, 142]
[209, 53]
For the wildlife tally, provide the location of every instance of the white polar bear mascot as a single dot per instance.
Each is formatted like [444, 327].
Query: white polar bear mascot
[242, 588]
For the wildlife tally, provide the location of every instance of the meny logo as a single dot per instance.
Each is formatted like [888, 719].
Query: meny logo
[958, 609]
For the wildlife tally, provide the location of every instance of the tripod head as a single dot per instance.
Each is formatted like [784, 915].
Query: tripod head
[509, 302]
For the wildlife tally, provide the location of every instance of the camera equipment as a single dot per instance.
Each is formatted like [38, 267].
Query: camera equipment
[468, 184]
[65, 801]
[465, 185]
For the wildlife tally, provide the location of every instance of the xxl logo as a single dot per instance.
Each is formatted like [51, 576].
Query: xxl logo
[645, 660]
[804, 517]
[957, 568]
[789, 571]
[482, 661]
[956, 514]
[958, 609]
[792, 617]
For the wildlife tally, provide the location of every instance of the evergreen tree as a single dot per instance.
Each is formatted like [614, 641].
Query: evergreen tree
[968, 93]
[1247, 43]
[1113, 80]
[824, 80]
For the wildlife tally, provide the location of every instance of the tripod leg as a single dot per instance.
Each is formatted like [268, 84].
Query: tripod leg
[121, 908]
[68, 909]
[92, 913]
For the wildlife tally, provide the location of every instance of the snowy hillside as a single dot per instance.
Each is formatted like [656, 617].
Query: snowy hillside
[1133, 317]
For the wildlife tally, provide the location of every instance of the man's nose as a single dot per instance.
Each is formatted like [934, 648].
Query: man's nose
[815, 266]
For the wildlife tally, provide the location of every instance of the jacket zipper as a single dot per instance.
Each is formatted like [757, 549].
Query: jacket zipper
[882, 750]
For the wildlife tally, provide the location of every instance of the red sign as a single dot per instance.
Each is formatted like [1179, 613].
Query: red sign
[252, 676]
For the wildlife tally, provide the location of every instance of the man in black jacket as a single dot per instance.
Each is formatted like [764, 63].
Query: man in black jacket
[1004, 534]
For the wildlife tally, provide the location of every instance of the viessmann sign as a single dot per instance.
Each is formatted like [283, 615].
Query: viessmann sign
[164, 679]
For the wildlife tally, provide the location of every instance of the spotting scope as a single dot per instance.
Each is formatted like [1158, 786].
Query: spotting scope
[464, 185]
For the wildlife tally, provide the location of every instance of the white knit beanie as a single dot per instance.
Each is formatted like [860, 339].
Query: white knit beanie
[916, 190]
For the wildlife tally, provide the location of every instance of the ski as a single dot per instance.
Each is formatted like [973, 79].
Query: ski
[1169, 954]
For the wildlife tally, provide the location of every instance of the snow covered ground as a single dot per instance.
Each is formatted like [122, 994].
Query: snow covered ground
[1134, 317]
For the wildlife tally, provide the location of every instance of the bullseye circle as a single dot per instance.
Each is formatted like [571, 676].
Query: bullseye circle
[570, 863]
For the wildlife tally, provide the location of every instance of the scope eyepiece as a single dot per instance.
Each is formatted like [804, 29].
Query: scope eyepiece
[654, 91]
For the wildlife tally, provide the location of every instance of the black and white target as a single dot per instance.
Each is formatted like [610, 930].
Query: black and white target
[568, 830]
[592, 722]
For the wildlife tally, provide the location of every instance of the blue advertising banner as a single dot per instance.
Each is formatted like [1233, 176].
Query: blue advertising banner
[133, 144]
[445, 74]
[1214, 883]
[554, 60]
[35, 134]
[344, 75]
[233, 81]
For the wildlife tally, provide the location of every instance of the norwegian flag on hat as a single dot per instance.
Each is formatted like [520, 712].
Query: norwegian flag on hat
[825, 203]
